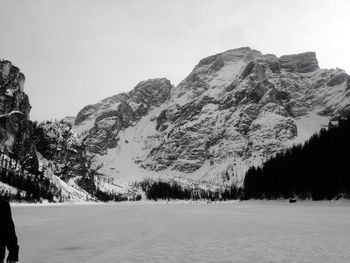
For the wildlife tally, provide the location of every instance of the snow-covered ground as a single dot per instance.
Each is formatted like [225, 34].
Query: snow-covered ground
[254, 231]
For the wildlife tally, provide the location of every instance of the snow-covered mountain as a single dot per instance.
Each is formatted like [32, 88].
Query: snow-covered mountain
[234, 110]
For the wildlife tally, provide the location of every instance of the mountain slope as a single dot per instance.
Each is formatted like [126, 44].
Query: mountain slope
[318, 169]
[100, 123]
[234, 110]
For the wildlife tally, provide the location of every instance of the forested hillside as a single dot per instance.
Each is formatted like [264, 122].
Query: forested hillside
[319, 169]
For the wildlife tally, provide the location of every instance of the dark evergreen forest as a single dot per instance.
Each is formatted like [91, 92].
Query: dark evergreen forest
[36, 187]
[319, 169]
[167, 190]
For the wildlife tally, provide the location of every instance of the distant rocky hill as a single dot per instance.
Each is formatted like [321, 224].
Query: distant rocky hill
[234, 110]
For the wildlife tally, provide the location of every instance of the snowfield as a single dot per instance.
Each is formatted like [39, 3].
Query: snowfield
[254, 231]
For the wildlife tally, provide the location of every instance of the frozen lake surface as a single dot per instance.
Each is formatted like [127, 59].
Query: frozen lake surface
[227, 232]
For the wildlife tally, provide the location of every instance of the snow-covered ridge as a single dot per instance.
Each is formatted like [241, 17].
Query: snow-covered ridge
[100, 124]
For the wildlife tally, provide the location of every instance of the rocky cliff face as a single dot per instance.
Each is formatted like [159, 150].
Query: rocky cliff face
[101, 123]
[234, 110]
[60, 151]
[245, 105]
[15, 126]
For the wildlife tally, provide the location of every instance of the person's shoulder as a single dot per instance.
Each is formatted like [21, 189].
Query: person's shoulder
[3, 203]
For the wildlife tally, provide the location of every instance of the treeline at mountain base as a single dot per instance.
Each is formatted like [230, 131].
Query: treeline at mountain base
[317, 170]
[168, 190]
[31, 187]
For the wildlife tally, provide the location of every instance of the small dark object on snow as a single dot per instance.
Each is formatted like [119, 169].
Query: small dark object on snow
[292, 200]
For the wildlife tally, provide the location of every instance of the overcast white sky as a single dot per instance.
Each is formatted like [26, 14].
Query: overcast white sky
[77, 52]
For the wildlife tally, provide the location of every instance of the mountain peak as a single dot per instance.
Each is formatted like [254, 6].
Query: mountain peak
[153, 81]
[302, 63]
[100, 123]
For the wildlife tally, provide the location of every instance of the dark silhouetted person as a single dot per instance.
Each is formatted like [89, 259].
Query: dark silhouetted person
[8, 238]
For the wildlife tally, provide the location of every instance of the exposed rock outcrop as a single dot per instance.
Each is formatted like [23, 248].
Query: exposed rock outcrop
[15, 126]
[62, 149]
[301, 63]
[100, 124]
